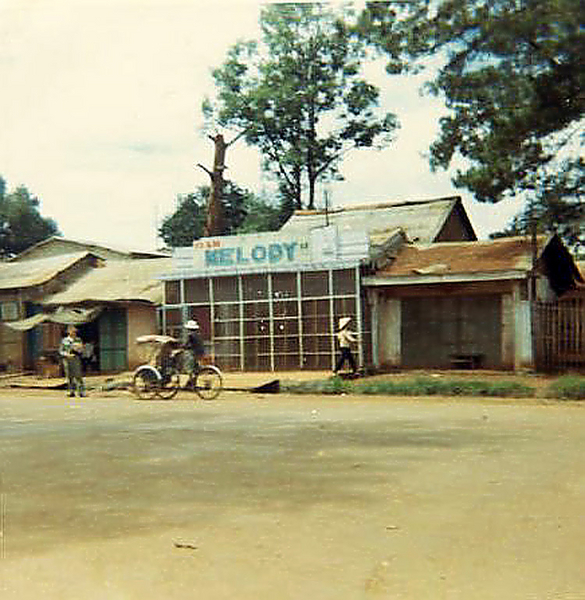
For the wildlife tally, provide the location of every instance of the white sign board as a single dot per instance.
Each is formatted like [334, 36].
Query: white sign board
[251, 251]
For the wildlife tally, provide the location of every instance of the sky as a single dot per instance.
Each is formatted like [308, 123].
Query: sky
[100, 108]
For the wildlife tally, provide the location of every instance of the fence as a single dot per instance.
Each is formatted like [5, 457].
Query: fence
[559, 335]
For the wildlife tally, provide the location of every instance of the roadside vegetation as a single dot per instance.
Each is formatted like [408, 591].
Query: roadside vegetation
[566, 387]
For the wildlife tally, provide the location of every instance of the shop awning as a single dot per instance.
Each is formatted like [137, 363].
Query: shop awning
[63, 315]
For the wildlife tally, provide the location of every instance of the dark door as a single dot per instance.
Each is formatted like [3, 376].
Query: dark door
[113, 336]
[34, 338]
[440, 331]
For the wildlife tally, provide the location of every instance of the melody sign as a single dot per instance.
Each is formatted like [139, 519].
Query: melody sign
[250, 251]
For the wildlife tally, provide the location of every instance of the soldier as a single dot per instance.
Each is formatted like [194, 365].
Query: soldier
[70, 350]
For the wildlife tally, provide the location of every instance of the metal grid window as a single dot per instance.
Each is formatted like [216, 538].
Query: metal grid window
[270, 321]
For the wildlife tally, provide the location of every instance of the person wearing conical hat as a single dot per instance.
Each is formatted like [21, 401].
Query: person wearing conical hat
[345, 338]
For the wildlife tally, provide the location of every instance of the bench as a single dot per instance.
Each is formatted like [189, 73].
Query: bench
[466, 361]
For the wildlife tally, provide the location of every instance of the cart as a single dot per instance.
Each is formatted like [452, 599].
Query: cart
[163, 375]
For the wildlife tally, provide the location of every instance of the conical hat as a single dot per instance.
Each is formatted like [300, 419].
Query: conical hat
[344, 322]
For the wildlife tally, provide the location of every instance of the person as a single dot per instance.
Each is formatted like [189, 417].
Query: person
[345, 337]
[194, 345]
[70, 350]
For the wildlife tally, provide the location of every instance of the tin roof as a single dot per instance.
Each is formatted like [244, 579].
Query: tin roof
[421, 220]
[504, 254]
[15, 275]
[59, 245]
[117, 281]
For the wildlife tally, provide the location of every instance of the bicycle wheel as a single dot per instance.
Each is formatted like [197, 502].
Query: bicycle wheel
[208, 383]
[170, 385]
[145, 382]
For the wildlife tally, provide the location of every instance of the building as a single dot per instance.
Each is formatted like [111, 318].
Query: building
[272, 301]
[111, 295]
[465, 304]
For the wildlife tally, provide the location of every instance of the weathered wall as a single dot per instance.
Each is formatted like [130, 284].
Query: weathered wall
[514, 319]
[389, 319]
[141, 321]
[11, 349]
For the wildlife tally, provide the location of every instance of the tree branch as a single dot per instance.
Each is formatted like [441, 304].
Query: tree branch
[205, 169]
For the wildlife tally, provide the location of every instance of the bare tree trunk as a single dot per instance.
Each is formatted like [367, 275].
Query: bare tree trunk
[215, 223]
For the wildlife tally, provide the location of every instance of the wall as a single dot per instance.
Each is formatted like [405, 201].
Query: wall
[141, 321]
[389, 332]
[514, 311]
[11, 349]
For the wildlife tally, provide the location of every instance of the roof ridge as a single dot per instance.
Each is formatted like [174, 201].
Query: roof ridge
[374, 206]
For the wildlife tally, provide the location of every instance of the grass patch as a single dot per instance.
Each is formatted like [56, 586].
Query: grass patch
[333, 385]
[421, 386]
[568, 387]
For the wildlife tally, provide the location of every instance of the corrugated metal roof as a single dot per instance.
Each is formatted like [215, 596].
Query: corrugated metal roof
[117, 281]
[60, 245]
[14, 275]
[421, 220]
[505, 255]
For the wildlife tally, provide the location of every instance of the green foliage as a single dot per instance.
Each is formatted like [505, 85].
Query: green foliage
[243, 213]
[427, 386]
[512, 76]
[187, 222]
[299, 97]
[331, 386]
[420, 386]
[568, 387]
[21, 224]
[261, 215]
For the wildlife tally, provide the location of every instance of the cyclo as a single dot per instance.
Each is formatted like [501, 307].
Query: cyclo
[163, 374]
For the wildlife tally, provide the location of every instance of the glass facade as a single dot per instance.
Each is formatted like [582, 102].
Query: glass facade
[270, 321]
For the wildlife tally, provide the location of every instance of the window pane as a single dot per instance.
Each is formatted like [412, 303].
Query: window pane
[227, 312]
[225, 289]
[172, 292]
[315, 308]
[256, 327]
[196, 290]
[253, 310]
[284, 285]
[255, 287]
[227, 329]
[173, 316]
[289, 308]
[315, 283]
[344, 307]
[286, 326]
[344, 281]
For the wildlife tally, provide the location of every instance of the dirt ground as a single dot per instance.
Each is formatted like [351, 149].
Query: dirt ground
[283, 497]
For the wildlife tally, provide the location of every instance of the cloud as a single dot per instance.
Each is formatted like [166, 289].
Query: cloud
[101, 113]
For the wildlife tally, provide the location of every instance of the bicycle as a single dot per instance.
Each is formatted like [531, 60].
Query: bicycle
[162, 376]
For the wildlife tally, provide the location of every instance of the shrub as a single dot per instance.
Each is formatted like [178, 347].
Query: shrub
[568, 387]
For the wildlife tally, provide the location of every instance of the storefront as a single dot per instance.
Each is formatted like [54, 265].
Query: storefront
[270, 301]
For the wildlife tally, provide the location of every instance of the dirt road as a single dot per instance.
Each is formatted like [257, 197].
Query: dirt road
[286, 498]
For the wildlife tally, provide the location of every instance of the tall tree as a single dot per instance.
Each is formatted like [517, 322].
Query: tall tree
[299, 96]
[21, 224]
[511, 73]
